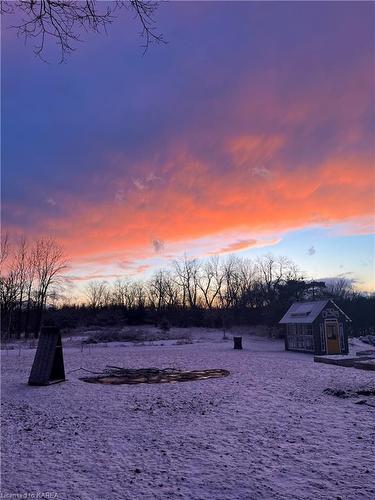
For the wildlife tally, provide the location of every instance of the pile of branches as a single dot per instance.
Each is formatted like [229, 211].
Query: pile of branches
[115, 375]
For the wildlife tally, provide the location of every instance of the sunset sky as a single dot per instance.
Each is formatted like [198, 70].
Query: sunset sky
[251, 131]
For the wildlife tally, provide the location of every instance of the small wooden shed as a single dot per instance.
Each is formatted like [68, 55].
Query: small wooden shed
[319, 327]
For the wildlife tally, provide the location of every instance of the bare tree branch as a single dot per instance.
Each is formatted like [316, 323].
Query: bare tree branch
[63, 21]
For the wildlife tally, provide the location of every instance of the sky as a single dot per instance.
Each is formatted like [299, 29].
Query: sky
[250, 132]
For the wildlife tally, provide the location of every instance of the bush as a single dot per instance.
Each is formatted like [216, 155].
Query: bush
[164, 325]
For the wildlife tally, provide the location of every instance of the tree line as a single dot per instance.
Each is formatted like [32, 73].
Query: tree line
[221, 292]
[215, 292]
[30, 276]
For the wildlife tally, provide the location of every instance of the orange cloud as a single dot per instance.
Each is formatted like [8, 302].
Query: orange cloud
[252, 149]
[238, 245]
[242, 244]
[247, 181]
[194, 203]
[91, 276]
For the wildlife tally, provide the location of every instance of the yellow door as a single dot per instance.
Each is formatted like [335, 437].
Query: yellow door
[332, 335]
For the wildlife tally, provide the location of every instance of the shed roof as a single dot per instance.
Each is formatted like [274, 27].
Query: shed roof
[306, 312]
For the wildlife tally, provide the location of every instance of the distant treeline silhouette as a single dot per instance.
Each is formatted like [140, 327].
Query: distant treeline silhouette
[214, 293]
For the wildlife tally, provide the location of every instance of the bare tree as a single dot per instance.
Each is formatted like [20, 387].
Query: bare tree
[4, 252]
[139, 291]
[186, 271]
[30, 277]
[119, 292]
[157, 290]
[229, 293]
[96, 293]
[210, 283]
[274, 272]
[123, 293]
[162, 290]
[16, 284]
[21, 269]
[63, 21]
[340, 288]
[8, 296]
[247, 282]
[130, 296]
[49, 262]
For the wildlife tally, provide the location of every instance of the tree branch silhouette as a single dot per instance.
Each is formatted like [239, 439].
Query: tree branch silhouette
[63, 21]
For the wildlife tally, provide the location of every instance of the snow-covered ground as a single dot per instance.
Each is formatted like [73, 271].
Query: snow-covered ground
[265, 432]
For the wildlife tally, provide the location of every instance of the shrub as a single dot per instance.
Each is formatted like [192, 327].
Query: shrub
[164, 325]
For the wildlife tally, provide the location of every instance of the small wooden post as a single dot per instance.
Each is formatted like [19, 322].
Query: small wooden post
[237, 342]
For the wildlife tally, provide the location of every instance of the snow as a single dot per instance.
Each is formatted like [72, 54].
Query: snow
[303, 312]
[265, 432]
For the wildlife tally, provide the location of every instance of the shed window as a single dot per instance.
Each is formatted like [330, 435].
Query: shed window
[291, 329]
[300, 337]
[331, 330]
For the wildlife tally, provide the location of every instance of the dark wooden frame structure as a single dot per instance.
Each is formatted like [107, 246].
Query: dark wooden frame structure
[48, 366]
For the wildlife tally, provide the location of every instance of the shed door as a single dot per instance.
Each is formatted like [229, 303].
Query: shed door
[332, 335]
